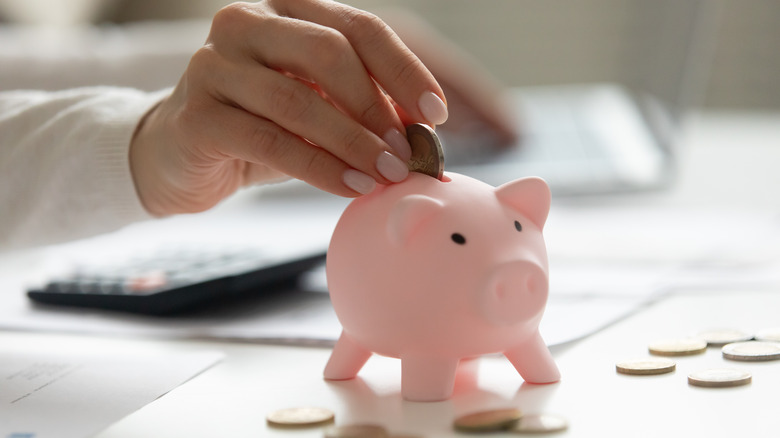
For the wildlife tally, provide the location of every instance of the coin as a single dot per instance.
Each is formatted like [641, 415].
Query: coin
[485, 421]
[356, 431]
[427, 153]
[752, 351]
[719, 378]
[645, 367]
[721, 337]
[540, 423]
[678, 347]
[769, 334]
[300, 417]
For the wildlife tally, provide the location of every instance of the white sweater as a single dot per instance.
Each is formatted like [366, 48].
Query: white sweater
[64, 167]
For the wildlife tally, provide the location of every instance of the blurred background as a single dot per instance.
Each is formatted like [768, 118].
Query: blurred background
[523, 42]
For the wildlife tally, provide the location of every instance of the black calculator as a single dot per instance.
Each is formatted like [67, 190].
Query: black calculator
[174, 280]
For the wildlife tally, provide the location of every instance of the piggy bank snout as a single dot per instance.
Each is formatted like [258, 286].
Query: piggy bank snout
[514, 292]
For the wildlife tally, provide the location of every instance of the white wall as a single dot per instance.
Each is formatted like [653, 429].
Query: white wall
[531, 42]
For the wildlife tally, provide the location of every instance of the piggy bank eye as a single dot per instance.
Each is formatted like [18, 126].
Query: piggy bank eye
[458, 238]
[518, 227]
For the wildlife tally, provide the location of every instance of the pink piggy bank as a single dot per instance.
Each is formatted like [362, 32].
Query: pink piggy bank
[433, 272]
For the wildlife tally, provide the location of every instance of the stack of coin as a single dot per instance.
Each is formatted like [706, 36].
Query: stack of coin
[427, 153]
[736, 345]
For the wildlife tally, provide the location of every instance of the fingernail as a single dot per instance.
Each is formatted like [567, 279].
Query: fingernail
[433, 108]
[358, 181]
[398, 142]
[391, 167]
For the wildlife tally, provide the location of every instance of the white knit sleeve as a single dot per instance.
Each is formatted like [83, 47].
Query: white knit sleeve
[64, 166]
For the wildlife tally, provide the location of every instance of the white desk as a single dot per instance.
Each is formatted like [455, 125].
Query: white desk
[725, 160]
[232, 399]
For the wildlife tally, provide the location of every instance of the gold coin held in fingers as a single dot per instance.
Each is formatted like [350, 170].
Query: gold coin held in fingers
[486, 421]
[645, 367]
[356, 431]
[719, 378]
[721, 337]
[678, 347]
[540, 423]
[300, 417]
[427, 153]
[752, 351]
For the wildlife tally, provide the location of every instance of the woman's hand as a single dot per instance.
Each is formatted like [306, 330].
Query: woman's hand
[284, 88]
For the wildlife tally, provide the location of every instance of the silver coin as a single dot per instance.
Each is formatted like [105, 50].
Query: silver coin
[540, 423]
[645, 367]
[427, 153]
[769, 334]
[752, 351]
[719, 378]
[721, 337]
[300, 417]
[678, 347]
[356, 431]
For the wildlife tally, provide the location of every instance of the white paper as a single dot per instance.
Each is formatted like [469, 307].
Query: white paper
[77, 394]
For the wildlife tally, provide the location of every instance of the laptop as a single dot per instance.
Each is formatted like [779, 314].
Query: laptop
[601, 137]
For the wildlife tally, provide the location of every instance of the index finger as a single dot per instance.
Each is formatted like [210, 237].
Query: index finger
[395, 68]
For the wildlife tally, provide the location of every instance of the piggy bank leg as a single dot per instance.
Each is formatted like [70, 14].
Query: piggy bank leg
[427, 379]
[533, 361]
[346, 359]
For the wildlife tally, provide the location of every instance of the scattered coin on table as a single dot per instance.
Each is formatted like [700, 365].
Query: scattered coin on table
[768, 334]
[427, 153]
[300, 417]
[752, 351]
[721, 337]
[645, 367]
[678, 347]
[719, 378]
[540, 423]
[488, 421]
[356, 431]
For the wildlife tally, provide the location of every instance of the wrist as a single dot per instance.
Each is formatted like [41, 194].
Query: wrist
[142, 151]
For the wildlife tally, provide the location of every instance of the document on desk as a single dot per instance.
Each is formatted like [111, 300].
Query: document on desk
[76, 395]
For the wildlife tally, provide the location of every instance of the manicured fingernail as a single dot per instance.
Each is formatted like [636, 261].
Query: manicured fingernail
[391, 167]
[358, 181]
[433, 108]
[398, 142]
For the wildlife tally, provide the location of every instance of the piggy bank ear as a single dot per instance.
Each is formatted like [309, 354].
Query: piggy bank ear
[409, 214]
[529, 196]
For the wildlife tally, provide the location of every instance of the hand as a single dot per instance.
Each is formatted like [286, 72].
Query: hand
[284, 89]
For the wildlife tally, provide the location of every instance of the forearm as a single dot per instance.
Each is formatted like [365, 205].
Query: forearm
[64, 170]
